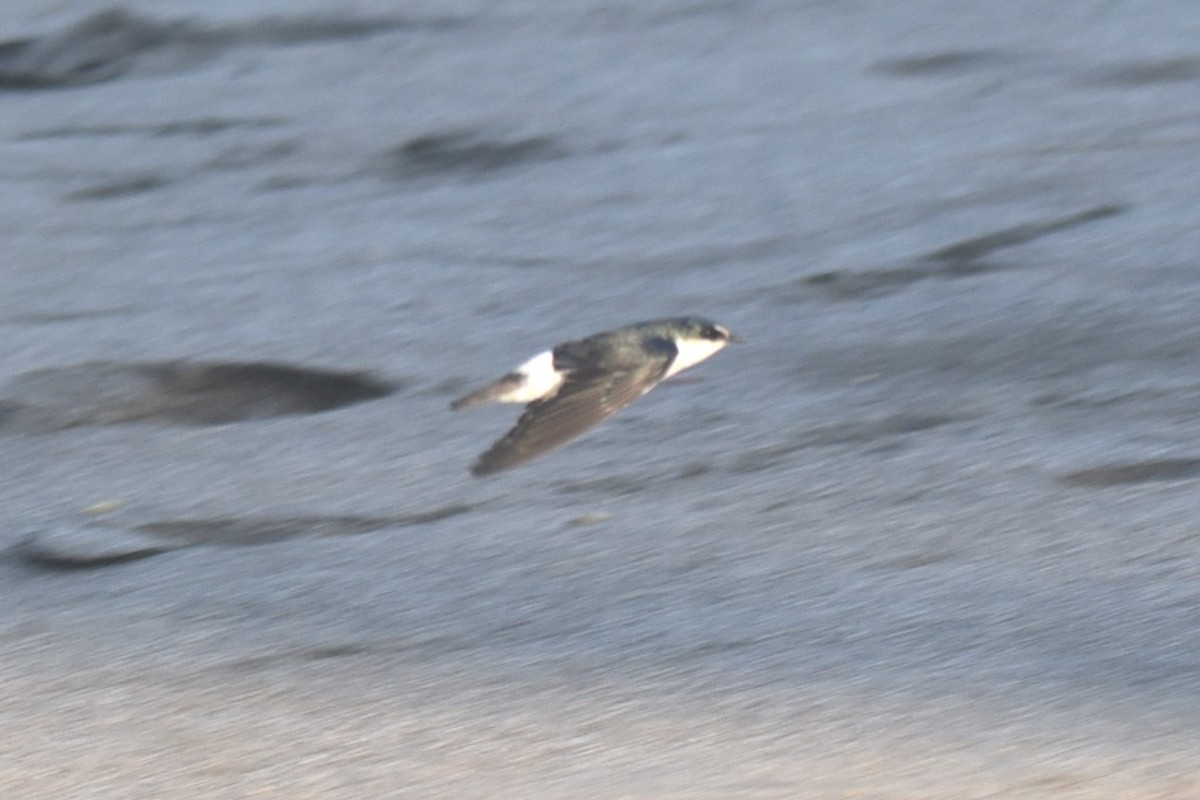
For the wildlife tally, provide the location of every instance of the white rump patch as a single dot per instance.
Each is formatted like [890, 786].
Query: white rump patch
[540, 379]
[692, 352]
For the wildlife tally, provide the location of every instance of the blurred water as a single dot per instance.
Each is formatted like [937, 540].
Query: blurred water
[930, 533]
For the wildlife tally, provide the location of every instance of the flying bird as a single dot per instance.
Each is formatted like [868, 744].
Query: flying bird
[578, 384]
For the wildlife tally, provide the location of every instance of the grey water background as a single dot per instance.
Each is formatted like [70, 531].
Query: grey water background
[930, 533]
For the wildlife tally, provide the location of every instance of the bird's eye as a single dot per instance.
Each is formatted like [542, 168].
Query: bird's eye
[712, 332]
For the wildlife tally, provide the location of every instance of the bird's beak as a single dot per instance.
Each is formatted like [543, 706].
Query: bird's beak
[735, 339]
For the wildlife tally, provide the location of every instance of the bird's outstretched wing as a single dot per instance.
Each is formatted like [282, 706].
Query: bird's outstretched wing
[587, 397]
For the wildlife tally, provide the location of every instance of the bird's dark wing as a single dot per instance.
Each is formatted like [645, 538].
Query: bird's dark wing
[586, 398]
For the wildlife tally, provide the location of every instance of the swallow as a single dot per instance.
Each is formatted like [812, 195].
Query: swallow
[576, 385]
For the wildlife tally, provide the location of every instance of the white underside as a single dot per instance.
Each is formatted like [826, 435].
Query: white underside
[692, 352]
[541, 380]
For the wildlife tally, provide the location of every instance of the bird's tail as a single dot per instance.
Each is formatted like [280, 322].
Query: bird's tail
[487, 394]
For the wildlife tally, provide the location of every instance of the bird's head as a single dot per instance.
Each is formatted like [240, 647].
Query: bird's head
[696, 328]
